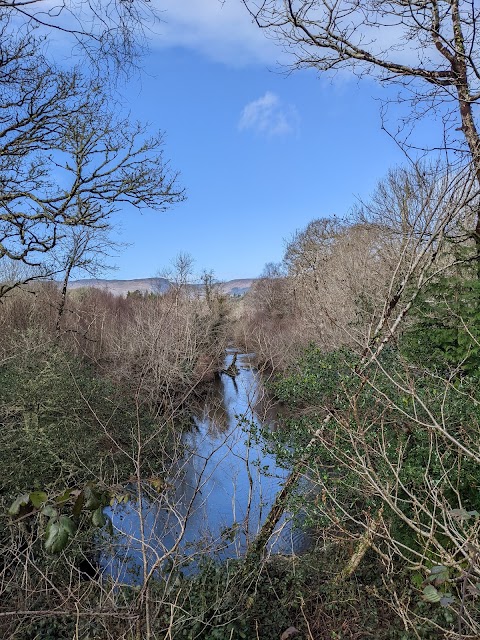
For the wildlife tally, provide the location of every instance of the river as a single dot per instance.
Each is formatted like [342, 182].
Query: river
[220, 492]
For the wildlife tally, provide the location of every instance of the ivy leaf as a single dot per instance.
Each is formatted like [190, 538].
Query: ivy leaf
[49, 511]
[68, 524]
[20, 502]
[417, 580]
[55, 539]
[58, 533]
[79, 502]
[64, 497]
[438, 575]
[37, 498]
[430, 594]
[98, 517]
[92, 499]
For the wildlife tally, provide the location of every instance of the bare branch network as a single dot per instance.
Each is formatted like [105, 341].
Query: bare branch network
[430, 48]
[65, 159]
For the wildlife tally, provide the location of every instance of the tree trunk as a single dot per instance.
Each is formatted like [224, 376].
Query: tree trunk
[256, 550]
[360, 550]
[469, 128]
[63, 298]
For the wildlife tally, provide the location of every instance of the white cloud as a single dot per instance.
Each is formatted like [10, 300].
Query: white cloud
[269, 116]
[222, 31]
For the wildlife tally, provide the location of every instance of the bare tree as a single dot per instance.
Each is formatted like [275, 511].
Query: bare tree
[428, 48]
[65, 159]
[181, 276]
[271, 294]
[309, 248]
[110, 33]
[82, 250]
[267, 322]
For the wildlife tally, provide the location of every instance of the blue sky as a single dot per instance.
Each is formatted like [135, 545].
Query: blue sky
[261, 153]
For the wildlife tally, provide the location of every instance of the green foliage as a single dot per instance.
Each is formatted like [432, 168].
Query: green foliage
[58, 532]
[315, 377]
[89, 501]
[382, 418]
[37, 498]
[57, 427]
[444, 330]
[217, 601]
[61, 527]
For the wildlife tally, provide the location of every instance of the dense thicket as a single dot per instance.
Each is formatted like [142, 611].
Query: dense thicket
[90, 414]
[379, 379]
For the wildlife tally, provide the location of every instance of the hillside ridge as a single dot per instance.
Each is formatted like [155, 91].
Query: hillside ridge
[239, 286]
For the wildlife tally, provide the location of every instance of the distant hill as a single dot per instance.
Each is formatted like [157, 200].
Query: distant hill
[155, 285]
[236, 287]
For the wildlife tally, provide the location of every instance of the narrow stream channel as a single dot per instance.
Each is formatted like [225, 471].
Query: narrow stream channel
[220, 495]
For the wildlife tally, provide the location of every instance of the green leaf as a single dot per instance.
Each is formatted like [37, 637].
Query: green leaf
[78, 506]
[157, 483]
[63, 497]
[37, 498]
[98, 518]
[92, 499]
[49, 511]
[417, 580]
[438, 575]
[58, 533]
[68, 524]
[55, 538]
[119, 498]
[430, 594]
[20, 502]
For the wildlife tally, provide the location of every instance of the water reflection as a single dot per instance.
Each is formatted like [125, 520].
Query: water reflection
[218, 494]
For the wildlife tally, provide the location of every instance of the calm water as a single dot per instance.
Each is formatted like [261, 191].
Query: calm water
[218, 495]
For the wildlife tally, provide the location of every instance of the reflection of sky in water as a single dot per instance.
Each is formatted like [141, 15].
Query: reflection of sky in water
[223, 491]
